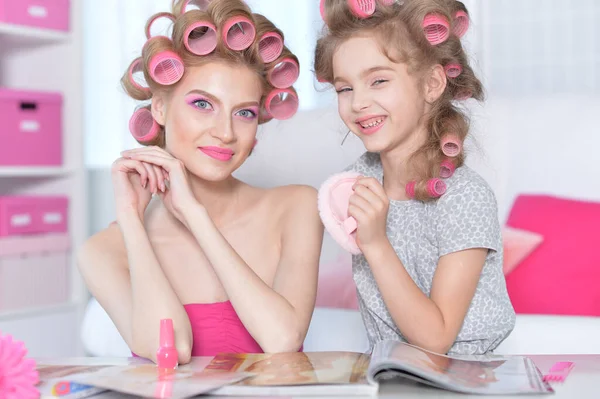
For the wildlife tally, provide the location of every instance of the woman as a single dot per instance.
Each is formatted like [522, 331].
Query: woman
[234, 266]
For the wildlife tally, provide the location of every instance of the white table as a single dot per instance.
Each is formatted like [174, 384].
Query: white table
[582, 383]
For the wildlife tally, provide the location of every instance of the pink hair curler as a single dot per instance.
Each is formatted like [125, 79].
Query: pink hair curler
[451, 145]
[238, 33]
[166, 355]
[136, 75]
[284, 74]
[447, 169]
[157, 17]
[362, 8]
[200, 38]
[270, 47]
[18, 375]
[410, 189]
[436, 188]
[453, 70]
[282, 104]
[166, 68]
[142, 125]
[333, 202]
[559, 371]
[461, 23]
[463, 95]
[436, 28]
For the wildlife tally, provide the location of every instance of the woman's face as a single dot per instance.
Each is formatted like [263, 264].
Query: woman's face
[211, 118]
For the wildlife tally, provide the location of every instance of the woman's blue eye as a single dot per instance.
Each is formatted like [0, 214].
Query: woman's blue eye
[379, 81]
[203, 104]
[246, 113]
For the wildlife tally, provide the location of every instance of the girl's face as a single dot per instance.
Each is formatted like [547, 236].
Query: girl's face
[211, 118]
[377, 98]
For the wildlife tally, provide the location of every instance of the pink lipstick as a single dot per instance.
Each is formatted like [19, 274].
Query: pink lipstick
[218, 153]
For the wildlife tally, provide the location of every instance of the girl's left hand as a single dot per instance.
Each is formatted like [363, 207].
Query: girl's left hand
[369, 206]
[177, 195]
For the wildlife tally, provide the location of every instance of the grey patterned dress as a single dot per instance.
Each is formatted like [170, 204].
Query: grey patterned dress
[465, 217]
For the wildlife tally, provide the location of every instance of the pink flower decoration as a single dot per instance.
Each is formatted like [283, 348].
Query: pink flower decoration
[18, 375]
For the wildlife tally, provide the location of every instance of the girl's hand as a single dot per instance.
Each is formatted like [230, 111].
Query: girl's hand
[369, 206]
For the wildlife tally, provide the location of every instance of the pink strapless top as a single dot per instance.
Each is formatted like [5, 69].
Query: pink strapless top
[217, 328]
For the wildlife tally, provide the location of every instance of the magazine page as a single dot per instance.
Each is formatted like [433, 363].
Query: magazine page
[298, 373]
[494, 376]
[147, 380]
[55, 382]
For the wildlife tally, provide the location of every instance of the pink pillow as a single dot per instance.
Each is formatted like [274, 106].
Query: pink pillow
[562, 276]
[518, 245]
[336, 286]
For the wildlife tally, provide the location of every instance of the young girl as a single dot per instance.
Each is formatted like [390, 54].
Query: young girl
[233, 266]
[428, 259]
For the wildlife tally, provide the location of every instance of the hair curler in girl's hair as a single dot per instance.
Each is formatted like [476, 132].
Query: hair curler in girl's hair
[410, 189]
[436, 188]
[461, 23]
[239, 33]
[447, 169]
[137, 79]
[451, 145]
[453, 70]
[436, 28]
[155, 18]
[362, 8]
[359, 8]
[282, 103]
[270, 46]
[142, 125]
[200, 38]
[284, 74]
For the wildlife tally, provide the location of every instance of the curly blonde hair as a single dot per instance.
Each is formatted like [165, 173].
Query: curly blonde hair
[401, 29]
[194, 24]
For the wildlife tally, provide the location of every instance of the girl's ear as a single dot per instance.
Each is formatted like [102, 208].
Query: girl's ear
[435, 84]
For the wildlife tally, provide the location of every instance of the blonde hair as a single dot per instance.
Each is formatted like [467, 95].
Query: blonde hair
[215, 15]
[399, 29]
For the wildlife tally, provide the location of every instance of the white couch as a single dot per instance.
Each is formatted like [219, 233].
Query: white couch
[307, 149]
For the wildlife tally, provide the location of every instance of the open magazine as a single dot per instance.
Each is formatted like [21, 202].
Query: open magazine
[144, 380]
[345, 373]
[302, 374]
[55, 382]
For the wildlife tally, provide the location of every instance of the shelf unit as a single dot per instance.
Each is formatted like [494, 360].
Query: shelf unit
[45, 60]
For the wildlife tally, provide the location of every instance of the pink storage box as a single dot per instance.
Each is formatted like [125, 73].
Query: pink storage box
[33, 215]
[31, 133]
[46, 14]
[34, 271]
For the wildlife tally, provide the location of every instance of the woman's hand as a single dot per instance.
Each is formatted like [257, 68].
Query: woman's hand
[369, 206]
[176, 193]
[133, 185]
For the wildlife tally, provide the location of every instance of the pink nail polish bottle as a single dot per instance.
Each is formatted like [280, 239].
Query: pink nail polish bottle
[166, 356]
